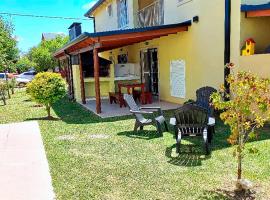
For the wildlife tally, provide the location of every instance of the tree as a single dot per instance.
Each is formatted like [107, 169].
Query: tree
[47, 88]
[247, 109]
[8, 46]
[42, 55]
[24, 64]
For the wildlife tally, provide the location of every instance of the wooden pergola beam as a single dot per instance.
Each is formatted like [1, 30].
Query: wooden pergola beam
[97, 83]
[82, 80]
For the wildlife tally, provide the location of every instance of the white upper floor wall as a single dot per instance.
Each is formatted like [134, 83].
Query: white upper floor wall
[255, 2]
[107, 15]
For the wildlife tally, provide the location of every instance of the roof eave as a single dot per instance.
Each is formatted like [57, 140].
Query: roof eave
[86, 35]
[94, 7]
[247, 7]
[76, 40]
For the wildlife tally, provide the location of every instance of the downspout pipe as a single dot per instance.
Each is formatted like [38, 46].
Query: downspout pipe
[71, 74]
[94, 21]
[227, 49]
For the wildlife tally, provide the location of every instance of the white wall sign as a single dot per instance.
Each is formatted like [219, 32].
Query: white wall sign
[178, 78]
[181, 2]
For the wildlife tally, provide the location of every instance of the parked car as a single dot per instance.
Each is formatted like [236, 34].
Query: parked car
[21, 82]
[25, 78]
[2, 76]
[27, 75]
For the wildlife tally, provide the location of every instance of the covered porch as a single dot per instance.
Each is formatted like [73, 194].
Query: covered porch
[97, 43]
[113, 110]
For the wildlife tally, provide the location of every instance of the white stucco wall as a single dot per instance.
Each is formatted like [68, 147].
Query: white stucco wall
[177, 13]
[106, 23]
[254, 2]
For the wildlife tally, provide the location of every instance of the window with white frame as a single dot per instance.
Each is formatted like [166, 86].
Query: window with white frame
[122, 13]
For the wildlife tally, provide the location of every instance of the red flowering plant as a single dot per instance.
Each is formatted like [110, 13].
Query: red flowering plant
[247, 109]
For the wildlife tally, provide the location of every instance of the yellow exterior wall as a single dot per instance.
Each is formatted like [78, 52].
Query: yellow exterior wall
[76, 82]
[90, 87]
[201, 68]
[106, 85]
[235, 31]
[243, 28]
[258, 64]
[202, 47]
[257, 28]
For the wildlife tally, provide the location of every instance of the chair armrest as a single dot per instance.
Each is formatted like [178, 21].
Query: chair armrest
[173, 121]
[153, 108]
[140, 112]
[150, 108]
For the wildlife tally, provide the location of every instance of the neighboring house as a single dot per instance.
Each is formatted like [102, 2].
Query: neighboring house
[50, 36]
[173, 46]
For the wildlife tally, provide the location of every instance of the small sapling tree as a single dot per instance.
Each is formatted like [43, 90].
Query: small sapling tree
[247, 109]
[46, 89]
[3, 89]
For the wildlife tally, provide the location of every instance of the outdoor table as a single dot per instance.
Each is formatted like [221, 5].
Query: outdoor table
[131, 86]
[211, 125]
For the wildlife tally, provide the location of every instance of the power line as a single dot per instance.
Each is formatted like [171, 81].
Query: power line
[43, 16]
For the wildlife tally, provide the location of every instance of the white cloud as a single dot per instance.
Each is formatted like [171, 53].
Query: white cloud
[89, 5]
[17, 38]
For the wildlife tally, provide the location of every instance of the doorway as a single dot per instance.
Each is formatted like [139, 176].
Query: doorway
[150, 73]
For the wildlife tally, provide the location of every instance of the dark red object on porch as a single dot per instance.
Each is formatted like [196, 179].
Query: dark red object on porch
[146, 98]
[116, 97]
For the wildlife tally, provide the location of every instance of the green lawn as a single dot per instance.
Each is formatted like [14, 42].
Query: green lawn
[91, 158]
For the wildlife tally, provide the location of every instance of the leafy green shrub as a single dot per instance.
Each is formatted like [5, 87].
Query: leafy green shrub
[47, 88]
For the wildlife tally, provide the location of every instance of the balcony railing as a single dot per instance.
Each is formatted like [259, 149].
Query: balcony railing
[152, 15]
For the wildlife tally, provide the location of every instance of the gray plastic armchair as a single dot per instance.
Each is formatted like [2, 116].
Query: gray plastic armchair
[139, 113]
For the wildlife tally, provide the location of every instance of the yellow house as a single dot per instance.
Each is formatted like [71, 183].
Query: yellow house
[174, 47]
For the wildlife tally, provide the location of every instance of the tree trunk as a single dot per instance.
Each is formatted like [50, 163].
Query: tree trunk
[239, 185]
[3, 97]
[239, 171]
[48, 108]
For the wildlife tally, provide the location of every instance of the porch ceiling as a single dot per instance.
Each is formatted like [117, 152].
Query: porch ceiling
[115, 39]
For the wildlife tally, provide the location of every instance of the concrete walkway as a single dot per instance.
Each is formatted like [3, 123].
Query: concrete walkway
[24, 170]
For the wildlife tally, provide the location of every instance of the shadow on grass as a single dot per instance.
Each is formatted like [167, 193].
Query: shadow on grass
[44, 119]
[73, 113]
[145, 135]
[27, 100]
[190, 156]
[228, 195]
[193, 153]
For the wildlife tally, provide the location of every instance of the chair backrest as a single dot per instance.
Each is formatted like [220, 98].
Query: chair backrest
[133, 106]
[191, 119]
[203, 97]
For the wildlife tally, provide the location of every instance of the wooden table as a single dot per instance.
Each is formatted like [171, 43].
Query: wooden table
[131, 86]
[144, 97]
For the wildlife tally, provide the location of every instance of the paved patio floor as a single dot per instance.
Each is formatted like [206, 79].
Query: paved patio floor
[114, 110]
[24, 169]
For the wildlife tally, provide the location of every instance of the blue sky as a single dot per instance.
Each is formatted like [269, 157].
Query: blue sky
[29, 30]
